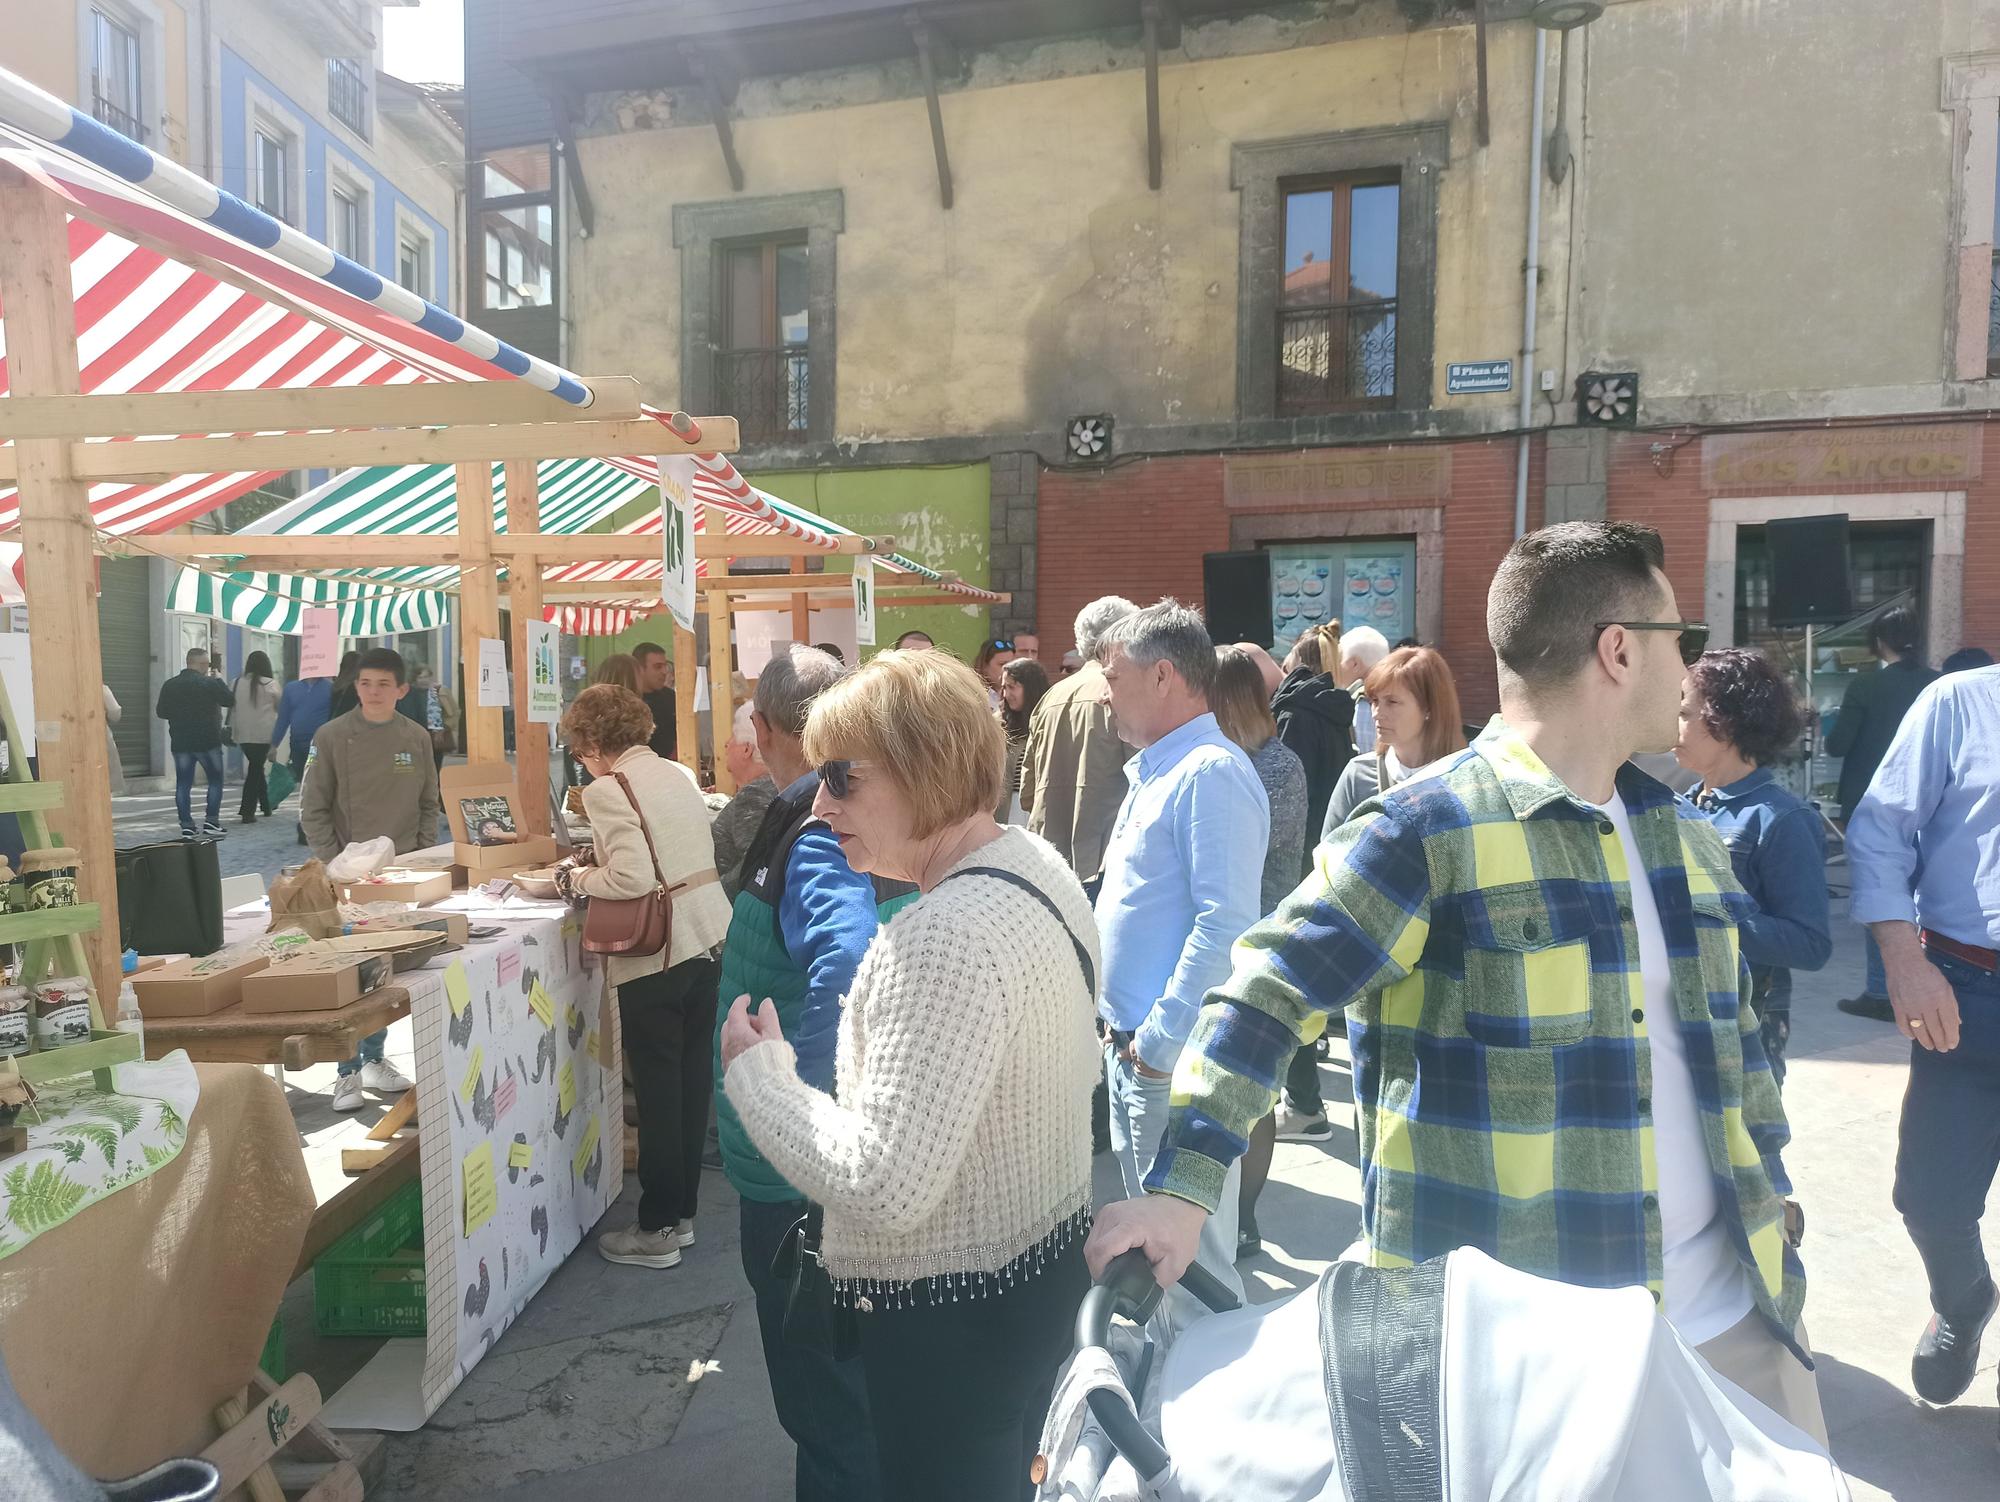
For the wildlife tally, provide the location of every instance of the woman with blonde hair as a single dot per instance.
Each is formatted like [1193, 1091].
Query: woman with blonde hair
[651, 830]
[620, 668]
[953, 1159]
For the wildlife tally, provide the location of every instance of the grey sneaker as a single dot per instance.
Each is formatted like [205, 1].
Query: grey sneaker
[1297, 1126]
[684, 1233]
[636, 1248]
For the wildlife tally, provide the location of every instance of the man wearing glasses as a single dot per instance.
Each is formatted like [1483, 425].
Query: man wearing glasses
[1536, 955]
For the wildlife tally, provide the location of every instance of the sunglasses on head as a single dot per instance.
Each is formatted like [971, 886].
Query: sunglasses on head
[833, 777]
[1693, 634]
[1000, 646]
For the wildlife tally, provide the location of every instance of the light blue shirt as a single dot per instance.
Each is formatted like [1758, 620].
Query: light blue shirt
[1182, 876]
[1924, 844]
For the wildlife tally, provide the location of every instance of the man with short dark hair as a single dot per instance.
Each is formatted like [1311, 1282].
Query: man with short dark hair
[915, 641]
[371, 777]
[1535, 952]
[192, 702]
[656, 687]
[1183, 874]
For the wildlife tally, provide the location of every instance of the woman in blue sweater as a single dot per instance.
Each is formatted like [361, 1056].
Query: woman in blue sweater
[1738, 715]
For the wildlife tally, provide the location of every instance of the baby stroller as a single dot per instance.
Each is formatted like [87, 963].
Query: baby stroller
[1459, 1380]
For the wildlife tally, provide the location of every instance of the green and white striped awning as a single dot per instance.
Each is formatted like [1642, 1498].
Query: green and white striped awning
[278, 602]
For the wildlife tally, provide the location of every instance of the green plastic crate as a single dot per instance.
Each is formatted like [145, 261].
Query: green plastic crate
[272, 1362]
[371, 1281]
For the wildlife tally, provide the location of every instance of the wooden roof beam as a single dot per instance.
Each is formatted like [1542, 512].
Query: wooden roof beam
[1479, 49]
[329, 550]
[161, 459]
[718, 85]
[1161, 22]
[935, 55]
[423, 404]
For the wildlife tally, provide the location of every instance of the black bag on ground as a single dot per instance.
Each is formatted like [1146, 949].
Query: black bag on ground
[170, 898]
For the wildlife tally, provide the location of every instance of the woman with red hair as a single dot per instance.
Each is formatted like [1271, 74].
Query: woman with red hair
[1415, 700]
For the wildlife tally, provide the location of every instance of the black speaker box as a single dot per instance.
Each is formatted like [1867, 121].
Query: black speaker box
[1809, 575]
[1236, 596]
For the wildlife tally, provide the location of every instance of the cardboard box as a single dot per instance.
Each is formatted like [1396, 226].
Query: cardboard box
[483, 803]
[456, 927]
[314, 980]
[398, 885]
[196, 987]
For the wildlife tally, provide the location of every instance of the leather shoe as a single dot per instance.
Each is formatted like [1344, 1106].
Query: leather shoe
[1876, 1007]
[1948, 1353]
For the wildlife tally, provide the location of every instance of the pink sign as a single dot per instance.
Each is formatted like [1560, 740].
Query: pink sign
[510, 966]
[503, 1096]
[319, 644]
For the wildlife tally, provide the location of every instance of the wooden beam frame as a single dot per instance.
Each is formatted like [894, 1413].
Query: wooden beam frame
[1161, 23]
[429, 404]
[719, 87]
[478, 609]
[531, 740]
[934, 52]
[275, 552]
[162, 459]
[1485, 120]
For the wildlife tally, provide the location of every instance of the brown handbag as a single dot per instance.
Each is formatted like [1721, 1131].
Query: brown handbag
[631, 926]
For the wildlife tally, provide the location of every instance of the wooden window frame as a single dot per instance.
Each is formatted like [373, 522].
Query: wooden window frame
[1342, 186]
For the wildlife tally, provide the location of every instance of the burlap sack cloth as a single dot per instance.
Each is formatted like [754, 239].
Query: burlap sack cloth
[128, 1324]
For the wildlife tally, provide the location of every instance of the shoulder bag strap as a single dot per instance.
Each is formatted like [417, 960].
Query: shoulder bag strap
[640, 815]
[1014, 879]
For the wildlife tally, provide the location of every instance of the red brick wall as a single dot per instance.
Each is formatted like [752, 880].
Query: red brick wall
[1139, 529]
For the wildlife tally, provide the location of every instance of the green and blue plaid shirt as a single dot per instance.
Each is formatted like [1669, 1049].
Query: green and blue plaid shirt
[1476, 928]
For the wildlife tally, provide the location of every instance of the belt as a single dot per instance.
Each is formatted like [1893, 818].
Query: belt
[1980, 959]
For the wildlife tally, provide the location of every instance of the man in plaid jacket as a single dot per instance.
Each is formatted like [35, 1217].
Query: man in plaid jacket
[1555, 1056]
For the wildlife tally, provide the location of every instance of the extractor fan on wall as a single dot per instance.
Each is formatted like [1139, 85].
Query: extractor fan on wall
[1608, 398]
[1089, 438]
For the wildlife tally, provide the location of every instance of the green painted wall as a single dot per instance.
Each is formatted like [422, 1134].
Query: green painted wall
[938, 516]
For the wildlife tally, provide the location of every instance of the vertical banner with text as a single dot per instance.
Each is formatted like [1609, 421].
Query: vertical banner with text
[544, 688]
[864, 601]
[495, 686]
[677, 591]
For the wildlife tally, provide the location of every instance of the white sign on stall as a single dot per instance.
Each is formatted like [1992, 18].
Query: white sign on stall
[760, 634]
[18, 673]
[677, 472]
[864, 602]
[495, 691]
[544, 688]
[319, 643]
[701, 690]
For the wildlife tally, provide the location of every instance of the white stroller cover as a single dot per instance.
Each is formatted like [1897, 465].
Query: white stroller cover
[1475, 1383]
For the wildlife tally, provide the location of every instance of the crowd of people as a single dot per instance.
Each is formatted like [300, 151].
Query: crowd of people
[952, 904]
[961, 925]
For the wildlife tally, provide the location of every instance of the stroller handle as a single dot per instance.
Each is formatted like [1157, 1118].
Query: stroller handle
[1129, 1288]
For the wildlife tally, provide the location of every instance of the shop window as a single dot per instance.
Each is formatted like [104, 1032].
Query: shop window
[1349, 582]
[761, 367]
[517, 234]
[1336, 311]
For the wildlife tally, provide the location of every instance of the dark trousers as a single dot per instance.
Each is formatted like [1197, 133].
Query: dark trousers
[256, 795]
[1302, 1081]
[960, 1387]
[185, 763]
[669, 1022]
[821, 1403]
[1950, 1144]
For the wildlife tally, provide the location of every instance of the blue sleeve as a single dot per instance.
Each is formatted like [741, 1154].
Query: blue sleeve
[827, 920]
[1225, 830]
[285, 702]
[1882, 834]
[1792, 928]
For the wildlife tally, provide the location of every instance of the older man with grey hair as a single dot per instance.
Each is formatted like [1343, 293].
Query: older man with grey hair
[1073, 772]
[1360, 650]
[1182, 877]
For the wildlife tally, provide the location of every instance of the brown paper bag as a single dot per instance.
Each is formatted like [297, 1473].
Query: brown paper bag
[303, 897]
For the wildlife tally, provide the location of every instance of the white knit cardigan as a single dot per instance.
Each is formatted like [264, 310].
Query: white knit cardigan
[959, 1142]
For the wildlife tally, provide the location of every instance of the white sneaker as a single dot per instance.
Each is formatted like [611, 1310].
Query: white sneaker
[347, 1094]
[684, 1233]
[385, 1078]
[1298, 1126]
[636, 1248]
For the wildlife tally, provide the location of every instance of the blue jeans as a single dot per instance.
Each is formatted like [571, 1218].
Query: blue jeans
[1949, 1146]
[210, 763]
[822, 1403]
[1138, 1117]
[1877, 983]
[369, 1052]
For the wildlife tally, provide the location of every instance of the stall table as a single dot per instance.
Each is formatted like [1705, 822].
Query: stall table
[296, 1040]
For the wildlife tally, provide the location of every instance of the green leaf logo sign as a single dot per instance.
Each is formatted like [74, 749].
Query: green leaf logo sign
[676, 538]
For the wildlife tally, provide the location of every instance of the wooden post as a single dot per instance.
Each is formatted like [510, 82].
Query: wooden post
[801, 608]
[687, 736]
[524, 579]
[59, 545]
[478, 606]
[721, 687]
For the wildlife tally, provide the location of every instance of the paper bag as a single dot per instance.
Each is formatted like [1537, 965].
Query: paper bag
[303, 897]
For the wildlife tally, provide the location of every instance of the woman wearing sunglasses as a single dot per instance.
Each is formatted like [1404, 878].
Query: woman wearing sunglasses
[994, 654]
[1739, 715]
[953, 1161]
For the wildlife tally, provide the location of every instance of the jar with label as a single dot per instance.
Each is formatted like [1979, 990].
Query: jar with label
[49, 877]
[15, 1016]
[62, 1012]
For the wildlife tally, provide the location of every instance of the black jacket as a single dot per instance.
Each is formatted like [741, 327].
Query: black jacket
[1316, 719]
[1873, 707]
[666, 739]
[192, 704]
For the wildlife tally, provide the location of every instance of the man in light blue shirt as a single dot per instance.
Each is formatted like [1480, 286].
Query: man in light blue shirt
[1182, 875]
[1924, 847]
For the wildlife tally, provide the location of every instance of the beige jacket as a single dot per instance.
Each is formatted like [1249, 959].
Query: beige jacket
[679, 820]
[1073, 775]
